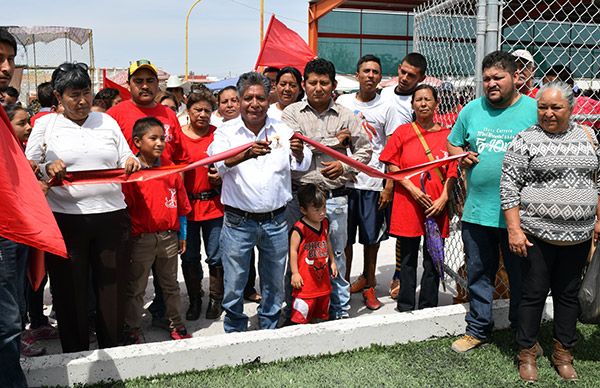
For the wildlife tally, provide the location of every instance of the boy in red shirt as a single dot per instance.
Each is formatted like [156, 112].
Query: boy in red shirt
[310, 253]
[157, 209]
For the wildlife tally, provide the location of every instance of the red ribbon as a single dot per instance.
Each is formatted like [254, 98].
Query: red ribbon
[404, 173]
[118, 175]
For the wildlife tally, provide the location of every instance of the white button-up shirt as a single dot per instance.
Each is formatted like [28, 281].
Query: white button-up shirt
[261, 184]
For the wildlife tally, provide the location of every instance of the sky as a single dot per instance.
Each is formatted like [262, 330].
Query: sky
[223, 34]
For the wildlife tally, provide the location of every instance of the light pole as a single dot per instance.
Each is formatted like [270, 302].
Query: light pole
[262, 22]
[187, 20]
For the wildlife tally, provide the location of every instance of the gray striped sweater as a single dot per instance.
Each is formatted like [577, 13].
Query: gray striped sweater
[553, 178]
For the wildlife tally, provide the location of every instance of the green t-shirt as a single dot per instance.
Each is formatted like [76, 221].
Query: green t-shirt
[488, 131]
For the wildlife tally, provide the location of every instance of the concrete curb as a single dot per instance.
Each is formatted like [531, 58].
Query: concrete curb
[200, 353]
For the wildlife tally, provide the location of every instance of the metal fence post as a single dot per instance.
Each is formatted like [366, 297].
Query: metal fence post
[480, 44]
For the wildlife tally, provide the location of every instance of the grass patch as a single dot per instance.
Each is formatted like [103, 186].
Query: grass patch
[419, 364]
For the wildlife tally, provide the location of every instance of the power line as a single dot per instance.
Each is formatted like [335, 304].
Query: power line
[266, 11]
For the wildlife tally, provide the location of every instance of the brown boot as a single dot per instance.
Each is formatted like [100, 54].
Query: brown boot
[562, 359]
[193, 283]
[527, 359]
[215, 292]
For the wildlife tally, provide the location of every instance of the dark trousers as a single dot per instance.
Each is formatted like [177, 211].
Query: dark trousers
[100, 242]
[430, 280]
[11, 374]
[557, 268]
[35, 304]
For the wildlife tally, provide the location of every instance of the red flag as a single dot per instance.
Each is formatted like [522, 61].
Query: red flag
[26, 217]
[107, 83]
[283, 47]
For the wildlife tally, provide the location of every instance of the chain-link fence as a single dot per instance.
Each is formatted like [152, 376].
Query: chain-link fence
[41, 49]
[562, 37]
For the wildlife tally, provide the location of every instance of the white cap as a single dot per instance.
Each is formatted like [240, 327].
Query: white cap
[523, 54]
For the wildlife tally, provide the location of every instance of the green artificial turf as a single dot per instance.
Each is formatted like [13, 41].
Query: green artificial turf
[420, 364]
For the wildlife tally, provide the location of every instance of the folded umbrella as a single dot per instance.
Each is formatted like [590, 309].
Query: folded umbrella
[433, 238]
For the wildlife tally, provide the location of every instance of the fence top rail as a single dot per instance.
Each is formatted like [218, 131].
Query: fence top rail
[34, 34]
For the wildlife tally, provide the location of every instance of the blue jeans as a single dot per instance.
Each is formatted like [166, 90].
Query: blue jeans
[11, 374]
[211, 232]
[481, 247]
[22, 253]
[337, 213]
[238, 238]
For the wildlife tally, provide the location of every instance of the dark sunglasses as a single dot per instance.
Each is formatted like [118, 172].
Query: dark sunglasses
[66, 67]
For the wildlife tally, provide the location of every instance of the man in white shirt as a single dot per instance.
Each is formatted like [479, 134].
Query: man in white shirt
[411, 72]
[256, 188]
[367, 198]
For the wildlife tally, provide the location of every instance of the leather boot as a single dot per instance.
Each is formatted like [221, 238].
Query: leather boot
[215, 293]
[193, 283]
[562, 359]
[527, 358]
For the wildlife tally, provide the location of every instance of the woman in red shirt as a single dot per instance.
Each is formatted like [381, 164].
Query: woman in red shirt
[407, 147]
[202, 186]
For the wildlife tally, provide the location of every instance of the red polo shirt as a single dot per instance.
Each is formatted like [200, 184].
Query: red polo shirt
[127, 113]
[155, 205]
[196, 181]
[37, 116]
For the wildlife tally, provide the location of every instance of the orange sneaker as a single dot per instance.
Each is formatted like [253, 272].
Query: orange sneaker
[394, 288]
[358, 285]
[371, 300]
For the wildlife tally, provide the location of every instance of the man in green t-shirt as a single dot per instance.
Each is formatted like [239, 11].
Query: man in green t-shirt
[484, 128]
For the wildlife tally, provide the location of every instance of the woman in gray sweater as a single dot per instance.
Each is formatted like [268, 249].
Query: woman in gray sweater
[549, 194]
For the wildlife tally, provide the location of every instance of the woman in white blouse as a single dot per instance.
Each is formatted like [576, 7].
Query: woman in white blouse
[92, 218]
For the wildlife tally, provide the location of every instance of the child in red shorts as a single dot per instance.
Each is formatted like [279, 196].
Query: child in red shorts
[157, 209]
[310, 253]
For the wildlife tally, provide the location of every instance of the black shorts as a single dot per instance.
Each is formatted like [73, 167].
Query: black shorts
[372, 224]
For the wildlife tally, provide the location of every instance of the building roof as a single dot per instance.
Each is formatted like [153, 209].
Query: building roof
[389, 5]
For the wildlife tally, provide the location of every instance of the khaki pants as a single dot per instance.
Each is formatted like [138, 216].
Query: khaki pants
[159, 249]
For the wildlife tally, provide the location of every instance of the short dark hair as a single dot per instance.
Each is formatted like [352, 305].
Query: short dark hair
[108, 95]
[433, 90]
[296, 73]
[501, 60]
[45, 95]
[8, 38]
[311, 194]
[320, 66]
[270, 69]
[75, 78]
[143, 125]
[230, 87]
[368, 58]
[417, 60]
[12, 109]
[11, 91]
[562, 73]
[253, 78]
[201, 95]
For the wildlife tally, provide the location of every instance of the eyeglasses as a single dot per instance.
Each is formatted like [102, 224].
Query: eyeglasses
[66, 67]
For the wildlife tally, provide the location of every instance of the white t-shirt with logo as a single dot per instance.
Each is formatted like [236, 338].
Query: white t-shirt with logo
[402, 104]
[379, 119]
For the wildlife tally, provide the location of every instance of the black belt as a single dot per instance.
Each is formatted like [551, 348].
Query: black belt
[339, 192]
[259, 217]
[203, 196]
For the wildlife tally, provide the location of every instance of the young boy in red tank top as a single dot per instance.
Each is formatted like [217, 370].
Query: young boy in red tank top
[310, 253]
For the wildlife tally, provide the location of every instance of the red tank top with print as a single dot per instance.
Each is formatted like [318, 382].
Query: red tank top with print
[312, 260]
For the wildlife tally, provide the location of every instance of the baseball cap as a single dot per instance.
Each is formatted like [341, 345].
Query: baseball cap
[141, 64]
[523, 54]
